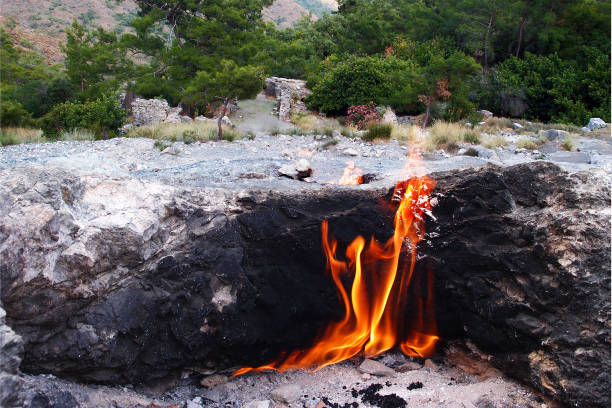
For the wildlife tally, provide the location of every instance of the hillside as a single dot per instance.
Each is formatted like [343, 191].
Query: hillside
[42, 22]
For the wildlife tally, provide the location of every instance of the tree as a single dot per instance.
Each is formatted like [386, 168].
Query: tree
[95, 63]
[227, 82]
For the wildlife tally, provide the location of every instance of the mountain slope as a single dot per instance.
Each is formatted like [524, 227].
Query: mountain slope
[42, 22]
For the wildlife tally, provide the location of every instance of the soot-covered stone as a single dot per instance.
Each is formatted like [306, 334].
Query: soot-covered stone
[126, 280]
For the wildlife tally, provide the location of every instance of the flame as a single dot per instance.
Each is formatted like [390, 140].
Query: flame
[352, 175]
[375, 310]
[307, 153]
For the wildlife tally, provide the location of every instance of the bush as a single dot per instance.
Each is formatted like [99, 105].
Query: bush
[362, 115]
[378, 131]
[12, 113]
[103, 116]
[445, 135]
[357, 81]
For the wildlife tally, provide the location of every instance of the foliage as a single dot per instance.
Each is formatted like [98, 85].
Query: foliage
[377, 130]
[189, 132]
[446, 135]
[358, 80]
[361, 116]
[95, 64]
[103, 116]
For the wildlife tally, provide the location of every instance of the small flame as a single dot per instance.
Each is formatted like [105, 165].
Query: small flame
[352, 175]
[374, 312]
[306, 153]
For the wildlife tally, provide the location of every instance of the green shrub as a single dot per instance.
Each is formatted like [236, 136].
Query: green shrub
[357, 81]
[471, 137]
[12, 113]
[103, 116]
[378, 131]
[6, 138]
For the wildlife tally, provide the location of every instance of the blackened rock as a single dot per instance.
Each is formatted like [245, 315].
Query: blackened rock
[522, 263]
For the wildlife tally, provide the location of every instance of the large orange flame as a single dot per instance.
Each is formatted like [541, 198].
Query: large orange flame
[375, 311]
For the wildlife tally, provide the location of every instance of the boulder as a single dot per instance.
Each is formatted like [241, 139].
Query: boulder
[522, 267]
[149, 111]
[123, 280]
[596, 123]
[517, 126]
[485, 113]
[389, 116]
[553, 134]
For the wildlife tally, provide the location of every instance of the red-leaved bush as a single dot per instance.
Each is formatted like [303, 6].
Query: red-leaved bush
[361, 115]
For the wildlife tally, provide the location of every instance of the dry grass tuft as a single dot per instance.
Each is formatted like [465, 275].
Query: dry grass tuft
[445, 135]
[18, 135]
[496, 123]
[492, 142]
[184, 132]
[406, 133]
[568, 144]
[526, 143]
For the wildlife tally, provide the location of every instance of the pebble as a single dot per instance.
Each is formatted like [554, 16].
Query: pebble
[375, 368]
[213, 380]
[286, 394]
[351, 152]
[257, 404]
[194, 403]
[430, 364]
[409, 366]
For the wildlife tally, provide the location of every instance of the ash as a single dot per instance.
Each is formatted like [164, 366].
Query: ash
[458, 378]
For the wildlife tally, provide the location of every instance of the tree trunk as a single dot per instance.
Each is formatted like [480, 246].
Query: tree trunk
[486, 41]
[426, 118]
[220, 120]
[522, 27]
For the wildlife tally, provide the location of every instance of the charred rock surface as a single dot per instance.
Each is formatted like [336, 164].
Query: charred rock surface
[123, 280]
[522, 263]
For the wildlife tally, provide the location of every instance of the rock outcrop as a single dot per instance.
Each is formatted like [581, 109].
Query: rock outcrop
[11, 348]
[116, 279]
[289, 94]
[522, 258]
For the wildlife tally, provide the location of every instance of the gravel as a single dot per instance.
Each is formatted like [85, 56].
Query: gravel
[234, 164]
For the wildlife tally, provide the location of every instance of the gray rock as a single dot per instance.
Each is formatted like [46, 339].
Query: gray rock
[303, 165]
[173, 150]
[596, 123]
[517, 126]
[585, 129]
[481, 123]
[186, 119]
[288, 170]
[11, 349]
[336, 134]
[287, 393]
[299, 170]
[258, 404]
[553, 134]
[485, 113]
[484, 152]
[389, 116]
[194, 403]
[375, 368]
[351, 152]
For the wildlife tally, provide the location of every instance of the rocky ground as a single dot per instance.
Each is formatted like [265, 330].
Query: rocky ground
[460, 378]
[255, 163]
[90, 230]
